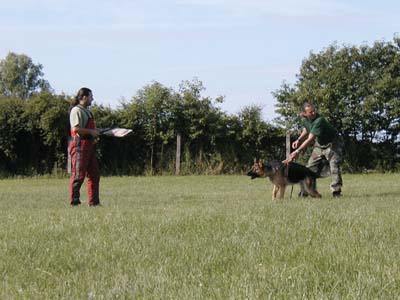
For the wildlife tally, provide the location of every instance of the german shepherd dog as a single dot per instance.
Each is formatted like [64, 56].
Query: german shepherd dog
[282, 175]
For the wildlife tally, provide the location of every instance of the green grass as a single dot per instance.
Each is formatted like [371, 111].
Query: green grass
[200, 237]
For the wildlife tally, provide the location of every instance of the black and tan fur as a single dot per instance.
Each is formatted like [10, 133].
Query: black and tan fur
[282, 175]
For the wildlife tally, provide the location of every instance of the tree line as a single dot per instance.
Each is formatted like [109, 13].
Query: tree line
[356, 87]
[34, 134]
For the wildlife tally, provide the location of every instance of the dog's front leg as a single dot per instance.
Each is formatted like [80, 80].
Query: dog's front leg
[275, 190]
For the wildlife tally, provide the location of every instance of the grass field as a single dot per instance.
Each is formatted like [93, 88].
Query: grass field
[200, 237]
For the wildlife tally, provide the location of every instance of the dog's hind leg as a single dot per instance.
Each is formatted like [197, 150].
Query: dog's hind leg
[309, 185]
[282, 192]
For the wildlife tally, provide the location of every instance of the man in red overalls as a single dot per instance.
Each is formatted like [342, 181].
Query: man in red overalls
[82, 150]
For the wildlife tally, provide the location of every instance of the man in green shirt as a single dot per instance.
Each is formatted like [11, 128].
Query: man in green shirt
[327, 145]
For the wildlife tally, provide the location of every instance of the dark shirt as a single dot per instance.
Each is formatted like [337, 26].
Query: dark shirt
[321, 128]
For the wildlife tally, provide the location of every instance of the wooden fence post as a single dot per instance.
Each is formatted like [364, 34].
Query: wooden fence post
[178, 154]
[288, 147]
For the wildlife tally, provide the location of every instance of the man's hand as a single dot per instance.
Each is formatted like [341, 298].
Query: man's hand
[95, 132]
[291, 157]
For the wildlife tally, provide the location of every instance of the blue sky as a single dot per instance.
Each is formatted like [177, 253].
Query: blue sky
[243, 50]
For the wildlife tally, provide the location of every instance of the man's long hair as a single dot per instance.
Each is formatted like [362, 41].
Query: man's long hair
[81, 93]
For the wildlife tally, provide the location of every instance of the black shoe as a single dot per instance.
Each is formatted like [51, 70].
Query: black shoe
[337, 194]
[303, 194]
[75, 202]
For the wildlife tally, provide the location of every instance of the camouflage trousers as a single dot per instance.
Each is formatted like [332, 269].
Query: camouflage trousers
[326, 160]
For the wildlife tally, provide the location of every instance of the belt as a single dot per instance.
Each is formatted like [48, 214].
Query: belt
[326, 146]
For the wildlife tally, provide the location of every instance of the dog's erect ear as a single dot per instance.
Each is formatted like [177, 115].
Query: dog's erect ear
[261, 161]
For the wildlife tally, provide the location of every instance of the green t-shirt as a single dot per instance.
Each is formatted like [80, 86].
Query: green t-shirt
[79, 116]
[324, 131]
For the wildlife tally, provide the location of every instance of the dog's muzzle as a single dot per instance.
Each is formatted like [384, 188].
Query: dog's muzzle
[252, 174]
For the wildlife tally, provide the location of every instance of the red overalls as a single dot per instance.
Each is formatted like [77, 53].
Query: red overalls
[84, 163]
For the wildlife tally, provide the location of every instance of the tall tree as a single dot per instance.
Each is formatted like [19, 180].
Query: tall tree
[260, 139]
[46, 120]
[156, 103]
[198, 118]
[11, 126]
[20, 77]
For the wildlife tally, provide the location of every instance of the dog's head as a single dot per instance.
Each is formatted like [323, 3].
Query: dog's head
[257, 170]
[261, 169]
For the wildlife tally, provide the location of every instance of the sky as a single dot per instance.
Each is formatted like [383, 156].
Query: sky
[242, 50]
